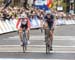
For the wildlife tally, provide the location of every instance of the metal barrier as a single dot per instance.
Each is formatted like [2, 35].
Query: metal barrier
[10, 25]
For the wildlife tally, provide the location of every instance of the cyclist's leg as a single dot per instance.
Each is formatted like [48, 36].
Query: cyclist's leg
[20, 34]
[28, 35]
[51, 38]
[51, 35]
[41, 24]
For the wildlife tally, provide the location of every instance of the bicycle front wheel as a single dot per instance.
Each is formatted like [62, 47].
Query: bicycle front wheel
[24, 48]
[47, 49]
[24, 41]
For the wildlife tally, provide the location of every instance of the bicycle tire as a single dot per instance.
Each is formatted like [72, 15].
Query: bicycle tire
[47, 42]
[24, 42]
[24, 48]
[47, 47]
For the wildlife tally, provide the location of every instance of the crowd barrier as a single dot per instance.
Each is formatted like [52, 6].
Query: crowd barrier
[10, 25]
[7, 26]
[65, 22]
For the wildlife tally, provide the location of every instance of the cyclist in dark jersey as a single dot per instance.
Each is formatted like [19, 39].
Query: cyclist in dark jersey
[49, 19]
[49, 23]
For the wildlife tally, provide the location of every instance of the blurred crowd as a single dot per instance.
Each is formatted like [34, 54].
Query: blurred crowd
[15, 12]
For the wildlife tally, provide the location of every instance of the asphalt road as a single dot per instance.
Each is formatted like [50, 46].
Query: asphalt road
[63, 45]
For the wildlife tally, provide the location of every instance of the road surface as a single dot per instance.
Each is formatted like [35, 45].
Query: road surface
[63, 45]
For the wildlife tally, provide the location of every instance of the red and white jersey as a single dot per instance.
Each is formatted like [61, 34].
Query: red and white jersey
[21, 21]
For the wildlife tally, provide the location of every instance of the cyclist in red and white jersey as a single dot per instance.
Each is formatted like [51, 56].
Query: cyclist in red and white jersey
[22, 22]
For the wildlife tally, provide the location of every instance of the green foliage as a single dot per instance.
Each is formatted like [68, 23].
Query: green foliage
[64, 6]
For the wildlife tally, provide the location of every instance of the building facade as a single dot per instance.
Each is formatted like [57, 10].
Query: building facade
[19, 2]
[70, 6]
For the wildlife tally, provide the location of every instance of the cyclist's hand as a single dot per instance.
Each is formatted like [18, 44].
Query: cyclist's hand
[28, 29]
[45, 26]
[52, 28]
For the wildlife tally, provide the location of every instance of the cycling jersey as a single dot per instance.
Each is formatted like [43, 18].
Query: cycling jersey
[21, 23]
[50, 21]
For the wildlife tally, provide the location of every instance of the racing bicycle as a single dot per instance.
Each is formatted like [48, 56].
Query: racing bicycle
[47, 40]
[24, 40]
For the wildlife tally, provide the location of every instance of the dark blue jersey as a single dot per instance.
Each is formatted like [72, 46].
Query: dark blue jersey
[49, 21]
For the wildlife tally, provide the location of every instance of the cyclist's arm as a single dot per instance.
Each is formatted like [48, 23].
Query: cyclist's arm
[18, 22]
[45, 25]
[29, 25]
[53, 23]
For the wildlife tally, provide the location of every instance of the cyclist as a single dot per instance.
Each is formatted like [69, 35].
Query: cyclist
[22, 22]
[49, 23]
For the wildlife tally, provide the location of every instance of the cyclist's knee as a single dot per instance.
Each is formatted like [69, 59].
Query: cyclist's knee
[51, 34]
[27, 31]
[20, 31]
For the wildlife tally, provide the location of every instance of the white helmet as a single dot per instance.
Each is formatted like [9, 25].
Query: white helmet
[23, 16]
[48, 12]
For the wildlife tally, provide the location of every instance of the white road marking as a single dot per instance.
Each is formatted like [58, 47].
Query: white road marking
[37, 46]
[17, 48]
[53, 51]
[72, 38]
[64, 38]
[67, 52]
[29, 59]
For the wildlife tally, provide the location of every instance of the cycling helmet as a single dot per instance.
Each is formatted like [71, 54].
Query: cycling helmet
[48, 12]
[23, 16]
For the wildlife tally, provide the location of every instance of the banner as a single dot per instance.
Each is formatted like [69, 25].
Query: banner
[9, 26]
[49, 3]
[43, 4]
[40, 2]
